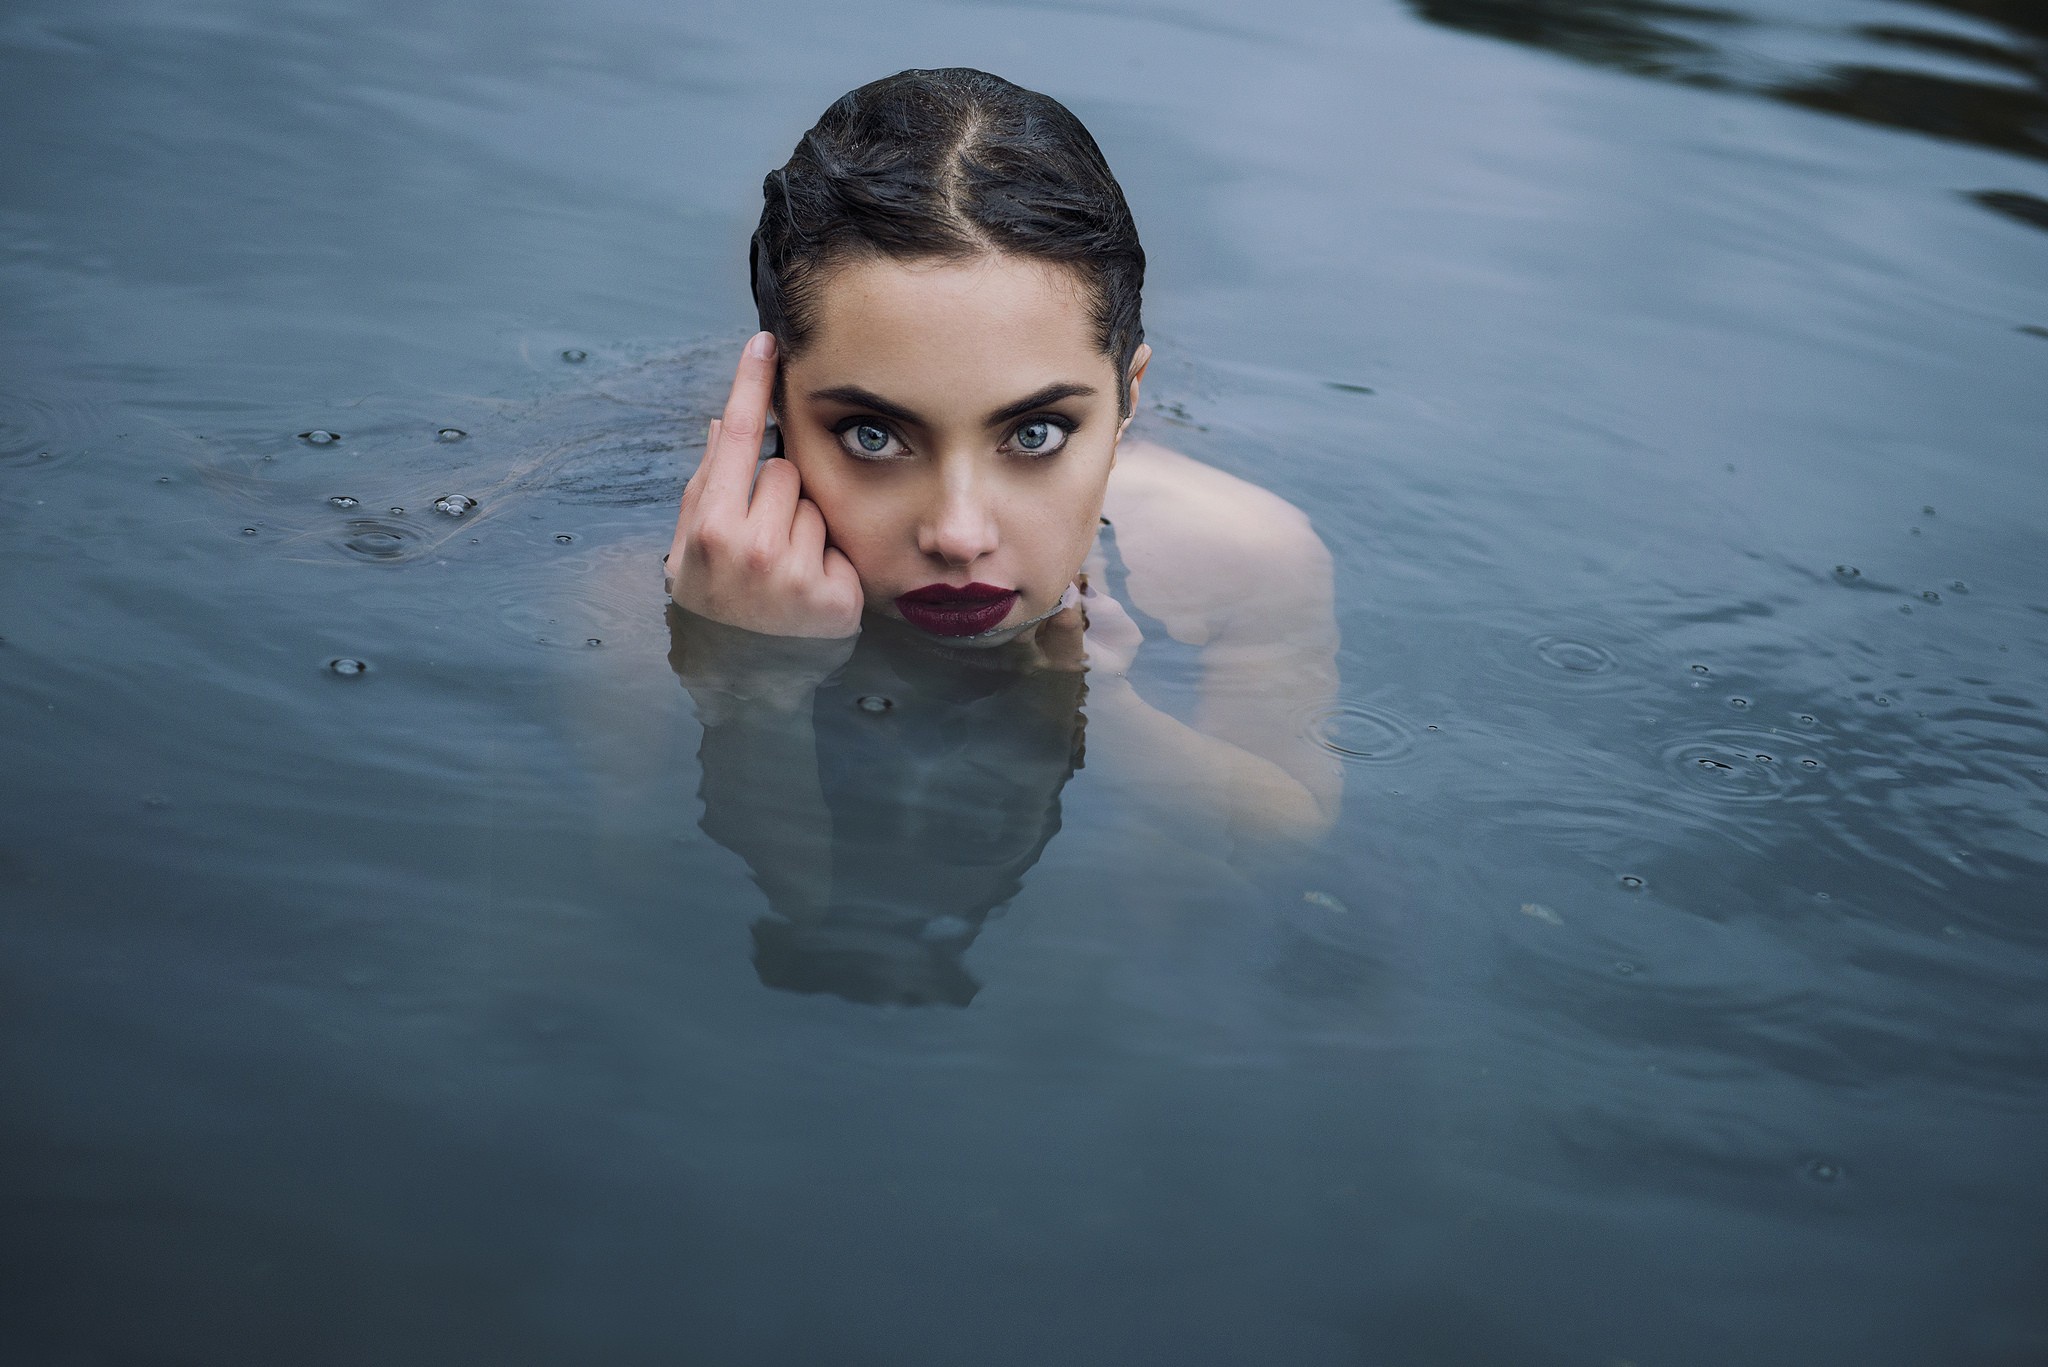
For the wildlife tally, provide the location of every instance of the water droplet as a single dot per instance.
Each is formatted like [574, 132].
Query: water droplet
[1806, 719]
[1810, 763]
[248, 531]
[1738, 703]
[1883, 701]
[1432, 728]
[347, 668]
[1765, 759]
[1632, 883]
[1624, 967]
[1821, 1170]
[397, 512]
[873, 702]
[342, 501]
[454, 505]
[1701, 669]
[42, 455]
[1930, 595]
[593, 641]
[1847, 572]
[450, 434]
[319, 437]
[575, 355]
[163, 479]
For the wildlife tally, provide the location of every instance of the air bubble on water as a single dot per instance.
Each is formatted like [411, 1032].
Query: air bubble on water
[1928, 509]
[1846, 572]
[1632, 883]
[163, 479]
[319, 436]
[1765, 759]
[454, 505]
[1624, 967]
[873, 702]
[397, 512]
[450, 434]
[593, 640]
[1824, 897]
[1432, 728]
[1714, 765]
[1930, 595]
[1958, 586]
[564, 538]
[1810, 763]
[1701, 669]
[575, 355]
[342, 501]
[248, 531]
[1906, 608]
[1806, 719]
[1821, 1170]
[1738, 703]
[346, 667]
[1883, 701]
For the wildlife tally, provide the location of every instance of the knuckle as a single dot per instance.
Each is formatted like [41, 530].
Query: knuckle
[711, 541]
[759, 557]
[742, 423]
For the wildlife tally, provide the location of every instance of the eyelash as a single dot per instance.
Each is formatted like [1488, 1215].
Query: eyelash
[1064, 426]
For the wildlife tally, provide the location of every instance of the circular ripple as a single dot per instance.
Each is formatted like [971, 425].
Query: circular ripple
[1733, 766]
[1573, 656]
[1359, 733]
[370, 538]
[37, 429]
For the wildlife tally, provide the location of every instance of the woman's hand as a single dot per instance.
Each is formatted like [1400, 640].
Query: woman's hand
[749, 549]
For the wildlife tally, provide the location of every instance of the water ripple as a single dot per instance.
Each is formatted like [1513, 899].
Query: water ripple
[1362, 733]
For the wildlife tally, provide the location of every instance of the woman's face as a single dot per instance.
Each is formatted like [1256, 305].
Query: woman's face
[955, 423]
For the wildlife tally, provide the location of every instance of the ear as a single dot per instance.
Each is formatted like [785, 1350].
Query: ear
[1140, 358]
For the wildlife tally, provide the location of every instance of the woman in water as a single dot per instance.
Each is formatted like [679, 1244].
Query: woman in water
[948, 283]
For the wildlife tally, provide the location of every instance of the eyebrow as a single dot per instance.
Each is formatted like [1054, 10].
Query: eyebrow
[853, 396]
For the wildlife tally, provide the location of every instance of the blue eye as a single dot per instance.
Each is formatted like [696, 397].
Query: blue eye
[869, 441]
[1039, 437]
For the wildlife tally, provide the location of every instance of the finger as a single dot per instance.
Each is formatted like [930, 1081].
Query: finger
[729, 461]
[773, 509]
[693, 487]
[807, 534]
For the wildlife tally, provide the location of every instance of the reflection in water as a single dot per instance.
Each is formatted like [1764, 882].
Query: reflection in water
[1974, 71]
[887, 819]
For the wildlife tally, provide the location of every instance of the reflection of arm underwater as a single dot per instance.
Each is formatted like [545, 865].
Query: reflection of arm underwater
[888, 818]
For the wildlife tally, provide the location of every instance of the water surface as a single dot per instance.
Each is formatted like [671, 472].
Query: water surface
[1669, 383]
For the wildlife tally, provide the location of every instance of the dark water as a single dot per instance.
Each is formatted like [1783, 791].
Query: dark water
[1671, 385]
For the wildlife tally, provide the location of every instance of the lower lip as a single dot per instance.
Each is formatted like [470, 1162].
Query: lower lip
[963, 617]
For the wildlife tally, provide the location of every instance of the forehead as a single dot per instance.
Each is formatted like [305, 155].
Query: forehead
[951, 331]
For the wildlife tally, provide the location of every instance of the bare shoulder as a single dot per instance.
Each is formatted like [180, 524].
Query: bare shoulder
[1208, 551]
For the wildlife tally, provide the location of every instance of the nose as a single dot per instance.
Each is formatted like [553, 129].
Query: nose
[959, 525]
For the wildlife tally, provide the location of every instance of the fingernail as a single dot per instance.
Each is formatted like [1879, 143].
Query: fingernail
[761, 345]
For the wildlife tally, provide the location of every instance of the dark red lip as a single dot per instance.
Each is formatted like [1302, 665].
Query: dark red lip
[956, 609]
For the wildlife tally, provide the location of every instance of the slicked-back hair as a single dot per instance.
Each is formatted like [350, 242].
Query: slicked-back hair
[950, 165]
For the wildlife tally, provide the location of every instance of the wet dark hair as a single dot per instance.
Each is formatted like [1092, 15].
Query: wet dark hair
[951, 164]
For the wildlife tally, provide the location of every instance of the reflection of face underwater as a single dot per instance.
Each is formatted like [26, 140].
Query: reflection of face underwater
[941, 800]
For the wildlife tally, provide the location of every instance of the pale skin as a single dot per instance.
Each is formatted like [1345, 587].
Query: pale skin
[956, 423]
